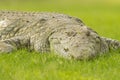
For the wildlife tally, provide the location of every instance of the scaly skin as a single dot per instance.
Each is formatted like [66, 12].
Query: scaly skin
[51, 32]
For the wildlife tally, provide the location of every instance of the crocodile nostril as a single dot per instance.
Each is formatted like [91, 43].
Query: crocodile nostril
[66, 49]
[27, 21]
[88, 33]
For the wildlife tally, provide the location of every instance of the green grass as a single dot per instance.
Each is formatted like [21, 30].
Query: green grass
[102, 16]
[22, 65]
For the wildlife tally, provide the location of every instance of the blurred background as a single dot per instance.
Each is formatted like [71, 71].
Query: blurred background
[101, 15]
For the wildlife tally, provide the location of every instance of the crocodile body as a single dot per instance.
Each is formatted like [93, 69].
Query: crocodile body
[46, 32]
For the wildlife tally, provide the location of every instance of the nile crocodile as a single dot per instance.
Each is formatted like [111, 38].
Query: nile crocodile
[51, 32]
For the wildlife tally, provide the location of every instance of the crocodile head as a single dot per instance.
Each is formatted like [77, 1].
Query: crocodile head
[75, 41]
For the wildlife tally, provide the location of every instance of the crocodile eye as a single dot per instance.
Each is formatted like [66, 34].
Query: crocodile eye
[42, 20]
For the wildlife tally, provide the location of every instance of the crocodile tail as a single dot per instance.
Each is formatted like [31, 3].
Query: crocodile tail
[111, 43]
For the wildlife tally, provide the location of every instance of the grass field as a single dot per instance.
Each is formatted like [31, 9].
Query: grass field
[102, 16]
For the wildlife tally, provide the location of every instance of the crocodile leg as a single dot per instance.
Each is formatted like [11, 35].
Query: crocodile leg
[8, 45]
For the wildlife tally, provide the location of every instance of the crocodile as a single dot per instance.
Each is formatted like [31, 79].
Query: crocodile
[44, 32]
